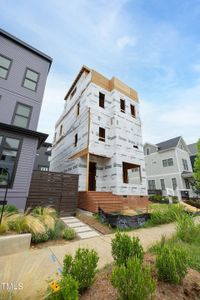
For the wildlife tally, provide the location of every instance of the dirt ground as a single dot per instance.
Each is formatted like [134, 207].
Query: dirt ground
[102, 288]
[91, 221]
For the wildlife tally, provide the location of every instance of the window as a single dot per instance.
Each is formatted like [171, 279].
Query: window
[22, 115]
[122, 105]
[131, 173]
[5, 64]
[135, 146]
[61, 129]
[78, 109]
[31, 80]
[187, 184]
[174, 183]
[101, 100]
[102, 134]
[185, 164]
[54, 137]
[151, 184]
[9, 153]
[162, 183]
[168, 162]
[75, 140]
[148, 151]
[43, 168]
[132, 110]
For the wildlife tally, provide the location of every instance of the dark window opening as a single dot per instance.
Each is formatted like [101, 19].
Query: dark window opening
[122, 105]
[131, 173]
[101, 100]
[148, 151]
[102, 133]
[75, 140]
[78, 109]
[132, 110]
[9, 155]
[151, 185]
[174, 183]
[61, 129]
[135, 146]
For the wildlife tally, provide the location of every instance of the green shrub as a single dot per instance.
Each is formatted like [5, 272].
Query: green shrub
[3, 228]
[175, 199]
[39, 237]
[187, 230]
[9, 208]
[69, 234]
[124, 247]
[133, 281]
[66, 289]
[171, 264]
[82, 268]
[57, 231]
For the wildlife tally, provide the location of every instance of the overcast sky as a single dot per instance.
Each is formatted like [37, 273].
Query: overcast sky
[152, 45]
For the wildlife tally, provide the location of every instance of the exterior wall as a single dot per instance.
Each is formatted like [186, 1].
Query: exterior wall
[11, 92]
[122, 132]
[19, 192]
[11, 89]
[42, 158]
[156, 171]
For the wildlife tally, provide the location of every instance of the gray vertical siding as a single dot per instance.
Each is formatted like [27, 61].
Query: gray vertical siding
[11, 92]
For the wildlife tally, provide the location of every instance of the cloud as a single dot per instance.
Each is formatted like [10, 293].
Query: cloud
[124, 41]
[196, 67]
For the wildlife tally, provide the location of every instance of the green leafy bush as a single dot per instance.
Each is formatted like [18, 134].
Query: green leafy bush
[187, 230]
[66, 289]
[57, 231]
[82, 268]
[171, 264]
[69, 234]
[133, 281]
[9, 208]
[124, 247]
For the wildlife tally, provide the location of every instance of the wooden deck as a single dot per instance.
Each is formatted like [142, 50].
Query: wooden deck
[109, 202]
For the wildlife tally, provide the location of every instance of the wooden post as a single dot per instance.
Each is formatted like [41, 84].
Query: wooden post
[87, 171]
[88, 155]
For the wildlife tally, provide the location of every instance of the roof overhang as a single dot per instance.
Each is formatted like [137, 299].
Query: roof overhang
[186, 174]
[41, 137]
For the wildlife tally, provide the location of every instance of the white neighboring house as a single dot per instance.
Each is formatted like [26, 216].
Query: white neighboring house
[168, 166]
[99, 137]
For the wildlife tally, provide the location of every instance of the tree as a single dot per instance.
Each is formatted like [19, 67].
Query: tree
[197, 169]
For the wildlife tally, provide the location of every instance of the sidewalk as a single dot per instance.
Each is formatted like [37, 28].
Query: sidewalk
[34, 267]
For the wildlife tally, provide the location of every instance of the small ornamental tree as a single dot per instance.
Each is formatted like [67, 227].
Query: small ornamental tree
[197, 169]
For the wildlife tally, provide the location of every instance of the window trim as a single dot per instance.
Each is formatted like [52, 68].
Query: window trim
[163, 187]
[12, 136]
[78, 109]
[174, 189]
[27, 68]
[43, 166]
[14, 114]
[11, 61]
[150, 181]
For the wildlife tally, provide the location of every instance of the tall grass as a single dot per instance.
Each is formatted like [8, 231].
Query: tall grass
[164, 213]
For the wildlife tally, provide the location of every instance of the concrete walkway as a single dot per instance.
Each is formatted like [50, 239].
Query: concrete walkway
[82, 230]
[34, 267]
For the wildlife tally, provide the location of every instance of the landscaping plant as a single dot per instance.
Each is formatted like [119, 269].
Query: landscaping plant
[82, 267]
[171, 264]
[133, 281]
[124, 247]
[65, 289]
[69, 234]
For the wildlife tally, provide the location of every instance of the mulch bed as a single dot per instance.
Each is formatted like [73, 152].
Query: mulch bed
[102, 288]
[91, 221]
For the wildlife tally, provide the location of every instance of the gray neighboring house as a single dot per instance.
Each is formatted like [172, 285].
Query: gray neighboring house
[193, 152]
[168, 166]
[42, 159]
[23, 75]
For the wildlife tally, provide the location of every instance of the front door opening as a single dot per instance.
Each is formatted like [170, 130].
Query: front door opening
[92, 176]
